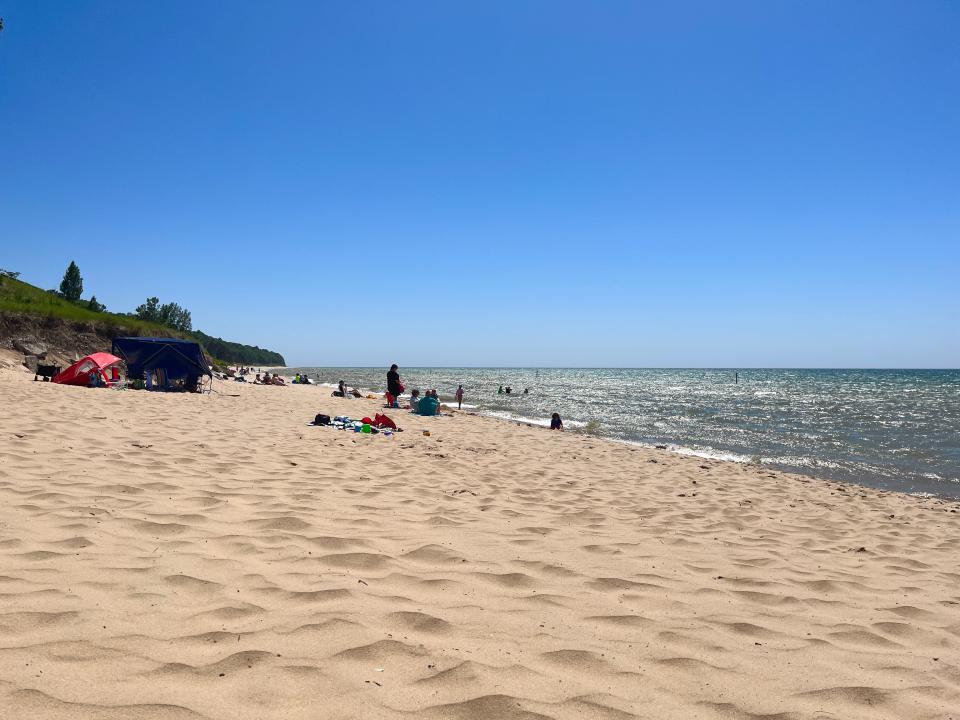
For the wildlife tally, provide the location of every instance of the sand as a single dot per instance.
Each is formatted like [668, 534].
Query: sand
[186, 556]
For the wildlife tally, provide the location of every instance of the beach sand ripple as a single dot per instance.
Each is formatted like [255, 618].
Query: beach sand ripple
[177, 557]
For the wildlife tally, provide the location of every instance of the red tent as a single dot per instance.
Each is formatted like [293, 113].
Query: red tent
[79, 373]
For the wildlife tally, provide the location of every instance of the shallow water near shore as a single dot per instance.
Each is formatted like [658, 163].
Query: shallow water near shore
[892, 429]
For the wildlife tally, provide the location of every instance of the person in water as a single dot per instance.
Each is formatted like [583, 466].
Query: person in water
[500, 391]
[556, 423]
[394, 386]
[509, 390]
[459, 396]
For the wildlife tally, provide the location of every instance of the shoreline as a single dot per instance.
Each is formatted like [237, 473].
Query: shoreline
[812, 469]
[211, 556]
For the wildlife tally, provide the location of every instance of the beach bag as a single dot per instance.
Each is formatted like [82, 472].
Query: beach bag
[321, 420]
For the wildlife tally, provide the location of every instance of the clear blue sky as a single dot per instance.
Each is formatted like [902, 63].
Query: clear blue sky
[499, 183]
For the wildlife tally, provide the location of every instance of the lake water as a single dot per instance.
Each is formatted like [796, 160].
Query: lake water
[893, 429]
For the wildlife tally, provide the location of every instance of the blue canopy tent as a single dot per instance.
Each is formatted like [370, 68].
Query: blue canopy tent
[170, 359]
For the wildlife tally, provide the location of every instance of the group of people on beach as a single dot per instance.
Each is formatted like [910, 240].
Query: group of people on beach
[426, 404]
[429, 402]
[267, 379]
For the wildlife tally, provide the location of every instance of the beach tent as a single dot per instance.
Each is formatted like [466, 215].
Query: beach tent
[169, 358]
[79, 373]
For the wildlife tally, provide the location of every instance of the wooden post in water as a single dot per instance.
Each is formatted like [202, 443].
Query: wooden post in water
[736, 378]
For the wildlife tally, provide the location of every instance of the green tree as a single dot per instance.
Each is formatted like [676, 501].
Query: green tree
[71, 287]
[176, 317]
[149, 311]
[169, 314]
[92, 304]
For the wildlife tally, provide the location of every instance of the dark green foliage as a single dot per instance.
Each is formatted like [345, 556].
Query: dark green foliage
[176, 317]
[71, 287]
[97, 307]
[18, 297]
[169, 314]
[149, 311]
[237, 352]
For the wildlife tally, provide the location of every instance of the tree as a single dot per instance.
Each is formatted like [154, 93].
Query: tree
[149, 311]
[92, 304]
[176, 317]
[169, 314]
[71, 287]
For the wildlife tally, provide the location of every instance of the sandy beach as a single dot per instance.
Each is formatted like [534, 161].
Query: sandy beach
[184, 556]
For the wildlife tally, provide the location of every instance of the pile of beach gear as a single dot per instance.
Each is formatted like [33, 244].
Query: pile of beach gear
[367, 426]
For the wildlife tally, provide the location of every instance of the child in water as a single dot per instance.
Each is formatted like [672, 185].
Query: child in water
[556, 423]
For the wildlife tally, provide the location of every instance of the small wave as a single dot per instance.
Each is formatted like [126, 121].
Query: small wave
[710, 454]
[542, 422]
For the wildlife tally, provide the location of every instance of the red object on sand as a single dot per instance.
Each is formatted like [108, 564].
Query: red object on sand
[79, 373]
[383, 421]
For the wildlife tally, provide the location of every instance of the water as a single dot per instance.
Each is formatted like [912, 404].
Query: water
[892, 429]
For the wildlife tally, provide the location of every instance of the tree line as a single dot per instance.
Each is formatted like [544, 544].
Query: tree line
[170, 315]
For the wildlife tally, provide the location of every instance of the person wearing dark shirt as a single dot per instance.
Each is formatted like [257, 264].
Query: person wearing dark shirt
[555, 422]
[394, 386]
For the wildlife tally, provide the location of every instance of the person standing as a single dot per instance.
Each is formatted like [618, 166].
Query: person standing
[459, 396]
[394, 386]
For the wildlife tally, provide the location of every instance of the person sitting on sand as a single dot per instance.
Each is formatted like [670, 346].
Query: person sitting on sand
[428, 405]
[556, 423]
[414, 400]
[257, 379]
[341, 390]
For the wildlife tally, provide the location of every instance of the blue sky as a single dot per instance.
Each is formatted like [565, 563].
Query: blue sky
[539, 183]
